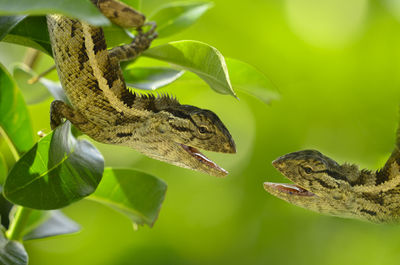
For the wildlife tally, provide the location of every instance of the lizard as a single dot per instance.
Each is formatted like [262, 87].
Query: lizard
[325, 186]
[103, 108]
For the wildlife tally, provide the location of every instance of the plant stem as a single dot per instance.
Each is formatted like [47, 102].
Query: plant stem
[31, 57]
[18, 224]
[36, 78]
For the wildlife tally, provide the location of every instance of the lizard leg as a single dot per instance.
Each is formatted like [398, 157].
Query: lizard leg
[140, 43]
[126, 17]
[120, 14]
[60, 110]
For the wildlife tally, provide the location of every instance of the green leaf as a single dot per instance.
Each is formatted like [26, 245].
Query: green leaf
[33, 93]
[55, 89]
[199, 58]
[3, 169]
[14, 118]
[133, 193]
[83, 10]
[248, 79]
[175, 17]
[150, 78]
[116, 36]
[39, 91]
[31, 32]
[57, 171]
[12, 252]
[35, 218]
[7, 23]
[44, 224]
[136, 4]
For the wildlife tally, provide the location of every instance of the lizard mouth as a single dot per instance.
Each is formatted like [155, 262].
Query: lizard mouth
[204, 160]
[291, 189]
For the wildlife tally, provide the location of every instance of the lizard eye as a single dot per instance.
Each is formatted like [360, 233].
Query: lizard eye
[202, 129]
[308, 170]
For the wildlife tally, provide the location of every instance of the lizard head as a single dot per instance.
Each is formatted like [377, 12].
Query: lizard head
[199, 128]
[183, 130]
[322, 185]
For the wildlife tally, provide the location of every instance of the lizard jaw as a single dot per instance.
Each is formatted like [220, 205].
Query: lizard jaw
[204, 160]
[291, 189]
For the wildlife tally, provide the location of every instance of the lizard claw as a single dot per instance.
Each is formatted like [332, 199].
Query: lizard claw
[151, 34]
[153, 25]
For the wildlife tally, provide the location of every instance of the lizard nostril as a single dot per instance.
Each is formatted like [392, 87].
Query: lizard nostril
[277, 163]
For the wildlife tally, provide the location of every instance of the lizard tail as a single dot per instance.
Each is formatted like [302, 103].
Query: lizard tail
[120, 14]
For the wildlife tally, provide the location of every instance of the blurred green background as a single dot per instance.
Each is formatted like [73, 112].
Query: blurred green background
[336, 64]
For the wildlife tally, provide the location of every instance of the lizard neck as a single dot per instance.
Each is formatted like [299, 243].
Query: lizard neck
[375, 193]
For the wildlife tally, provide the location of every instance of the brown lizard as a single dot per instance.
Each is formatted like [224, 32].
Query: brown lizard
[104, 109]
[322, 185]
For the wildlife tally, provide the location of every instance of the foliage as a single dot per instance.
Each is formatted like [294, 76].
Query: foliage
[174, 17]
[60, 169]
[14, 121]
[12, 252]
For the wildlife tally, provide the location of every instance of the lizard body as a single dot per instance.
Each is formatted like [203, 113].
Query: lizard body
[104, 109]
[322, 185]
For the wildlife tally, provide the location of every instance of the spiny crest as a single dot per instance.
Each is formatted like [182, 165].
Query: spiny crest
[349, 168]
[154, 103]
[162, 97]
[365, 177]
[367, 171]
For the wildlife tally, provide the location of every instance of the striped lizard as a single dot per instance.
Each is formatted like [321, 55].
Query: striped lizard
[323, 185]
[104, 109]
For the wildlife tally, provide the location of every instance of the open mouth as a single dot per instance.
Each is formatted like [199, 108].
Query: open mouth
[203, 159]
[287, 188]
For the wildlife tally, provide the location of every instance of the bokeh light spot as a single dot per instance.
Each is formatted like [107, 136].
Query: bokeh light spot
[327, 23]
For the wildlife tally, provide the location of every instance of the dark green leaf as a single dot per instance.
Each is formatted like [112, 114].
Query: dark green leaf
[33, 93]
[175, 17]
[5, 208]
[83, 10]
[3, 169]
[31, 32]
[199, 58]
[49, 224]
[57, 171]
[12, 252]
[14, 118]
[246, 78]
[133, 193]
[150, 78]
[7, 23]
